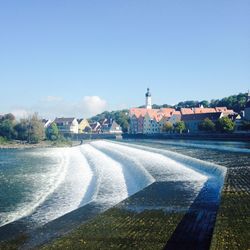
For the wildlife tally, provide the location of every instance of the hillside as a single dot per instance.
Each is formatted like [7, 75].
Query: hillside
[235, 102]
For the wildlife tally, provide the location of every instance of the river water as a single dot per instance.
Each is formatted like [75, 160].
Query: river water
[40, 185]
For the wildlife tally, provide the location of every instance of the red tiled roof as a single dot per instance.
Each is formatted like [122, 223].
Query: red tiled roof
[167, 111]
[186, 111]
[138, 112]
[221, 109]
[158, 114]
[204, 110]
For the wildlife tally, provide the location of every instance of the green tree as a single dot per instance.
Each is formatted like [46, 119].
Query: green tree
[187, 104]
[179, 127]
[168, 127]
[9, 116]
[204, 103]
[21, 129]
[35, 129]
[235, 102]
[7, 129]
[37, 132]
[225, 124]
[155, 106]
[3, 140]
[52, 132]
[207, 125]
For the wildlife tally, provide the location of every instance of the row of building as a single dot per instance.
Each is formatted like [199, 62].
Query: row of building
[151, 121]
[80, 126]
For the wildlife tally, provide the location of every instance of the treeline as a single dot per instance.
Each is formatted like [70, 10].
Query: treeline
[235, 102]
[30, 129]
[222, 125]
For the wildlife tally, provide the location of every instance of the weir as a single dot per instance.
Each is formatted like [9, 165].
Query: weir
[179, 185]
[194, 230]
[135, 175]
[109, 186]
[206, 168]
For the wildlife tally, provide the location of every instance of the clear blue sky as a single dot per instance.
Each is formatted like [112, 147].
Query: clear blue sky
[56, 55]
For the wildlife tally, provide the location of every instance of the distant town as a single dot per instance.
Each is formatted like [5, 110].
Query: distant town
[146, 120]
[190, 120]
[149, 120]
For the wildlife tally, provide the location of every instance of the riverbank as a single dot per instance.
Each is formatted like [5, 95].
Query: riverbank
[42, 144]
[21, 145]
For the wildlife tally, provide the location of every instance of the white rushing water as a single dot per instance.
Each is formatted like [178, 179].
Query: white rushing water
[44, 184]
[162, 167]
[110, 186]
[103, 172]
[206, 168]
[69, 193]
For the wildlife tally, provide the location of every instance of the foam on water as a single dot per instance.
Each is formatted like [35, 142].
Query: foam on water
[109, 186]
[49, 182]
[70, 194]
[136, 176]
[203, 167]
[161, 167]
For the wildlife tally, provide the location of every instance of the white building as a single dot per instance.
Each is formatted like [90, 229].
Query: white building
[115, 128]
[67, 125]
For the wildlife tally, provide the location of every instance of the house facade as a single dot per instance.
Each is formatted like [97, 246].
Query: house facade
[115, 128]
[95, 127]
[83, 126]
[151, 124]
[137, 120]
[247, 108]
[192, 121]
[67, 125]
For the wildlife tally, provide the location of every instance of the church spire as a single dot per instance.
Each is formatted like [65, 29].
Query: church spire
[148, 100]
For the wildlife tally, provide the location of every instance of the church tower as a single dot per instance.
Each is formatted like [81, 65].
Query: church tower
[148, 100]
[247, 108]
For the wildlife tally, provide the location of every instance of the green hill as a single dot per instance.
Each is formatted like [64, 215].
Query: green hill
[235, 102]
